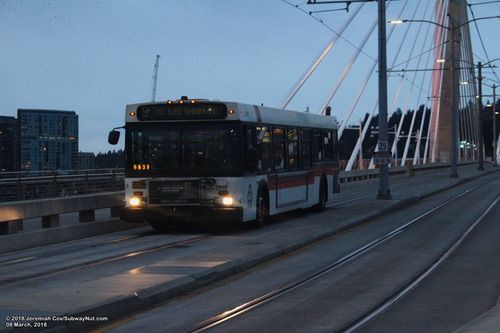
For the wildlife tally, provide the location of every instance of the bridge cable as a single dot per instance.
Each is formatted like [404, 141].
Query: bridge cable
[327, 26]
[481, 39]
[399, 86]
[347, 69]
[319, 58]
[467, 55]
[416, 157]
[410, 131]
[464, 111]
[371, 114]
[472, 91]
[400, 125]
[364, 84]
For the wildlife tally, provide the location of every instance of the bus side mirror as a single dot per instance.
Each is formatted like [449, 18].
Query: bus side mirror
[251, 159]
[113, 137]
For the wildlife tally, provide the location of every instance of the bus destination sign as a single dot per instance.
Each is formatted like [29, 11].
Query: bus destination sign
[177, 111]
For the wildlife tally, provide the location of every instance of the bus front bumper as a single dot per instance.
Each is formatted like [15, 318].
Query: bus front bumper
[182, 214]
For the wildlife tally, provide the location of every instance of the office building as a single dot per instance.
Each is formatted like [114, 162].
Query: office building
[48, 139]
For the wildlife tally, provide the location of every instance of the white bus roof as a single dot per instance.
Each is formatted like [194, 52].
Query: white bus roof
[250, 113]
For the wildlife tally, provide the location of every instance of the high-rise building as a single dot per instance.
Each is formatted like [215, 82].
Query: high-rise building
[8, 144]
[48, 139]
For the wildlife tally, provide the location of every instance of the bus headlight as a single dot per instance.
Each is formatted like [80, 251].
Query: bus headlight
[227, 201]
[135, 201]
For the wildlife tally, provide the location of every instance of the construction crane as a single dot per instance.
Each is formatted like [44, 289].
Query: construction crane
[155, 77]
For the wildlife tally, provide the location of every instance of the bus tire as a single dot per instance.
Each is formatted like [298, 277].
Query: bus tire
[323, 196]
[159, 226]
[262, 207]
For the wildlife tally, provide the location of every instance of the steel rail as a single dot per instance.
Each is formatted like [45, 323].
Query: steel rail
[259, 301]
[70, 249]
[14, 280]
[416, 281]
[371, 194]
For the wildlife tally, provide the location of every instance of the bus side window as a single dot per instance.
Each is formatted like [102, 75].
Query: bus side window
[305, 149]
[293, 149]
[328, 143]
[336, 146]
[250, 148]
[264, 155]
[317, 146]
[279, 148]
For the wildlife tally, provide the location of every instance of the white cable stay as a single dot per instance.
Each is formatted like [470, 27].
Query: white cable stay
[347, 68]
[408, 139]
[410, 94]
[400, 83]
[364, 83]
[319, 58]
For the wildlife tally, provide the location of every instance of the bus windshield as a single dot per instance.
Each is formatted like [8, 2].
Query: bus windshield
[183, 149]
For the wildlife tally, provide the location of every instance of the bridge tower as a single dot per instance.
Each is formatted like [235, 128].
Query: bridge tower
[449, 44]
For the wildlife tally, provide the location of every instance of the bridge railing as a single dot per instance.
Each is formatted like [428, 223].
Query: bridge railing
[17, 186]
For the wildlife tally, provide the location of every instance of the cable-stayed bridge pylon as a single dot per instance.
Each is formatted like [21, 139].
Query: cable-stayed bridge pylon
[439, 69]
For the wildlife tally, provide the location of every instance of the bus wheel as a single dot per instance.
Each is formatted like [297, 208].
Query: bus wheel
[159, 226]
[262, 209]
[322, 197]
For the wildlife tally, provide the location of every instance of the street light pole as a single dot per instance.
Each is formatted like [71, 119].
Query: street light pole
[453, 133]
[480, 165]
[384, 192]
[494, 106]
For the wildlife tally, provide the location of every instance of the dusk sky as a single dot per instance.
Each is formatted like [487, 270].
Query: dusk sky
[95, 57]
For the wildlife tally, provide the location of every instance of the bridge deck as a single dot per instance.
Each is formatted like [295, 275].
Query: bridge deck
[108, 289]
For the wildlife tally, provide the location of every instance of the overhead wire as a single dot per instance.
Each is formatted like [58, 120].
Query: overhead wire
[347, 68]
[408, 139]
[361, 91]
[484, 3]
[328, 27]
[400, 83]
[416, 56]
[481, 38]
[471, 91]
[298, 85]
[409, 96]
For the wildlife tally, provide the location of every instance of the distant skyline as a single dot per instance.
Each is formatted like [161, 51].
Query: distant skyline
[95, 56]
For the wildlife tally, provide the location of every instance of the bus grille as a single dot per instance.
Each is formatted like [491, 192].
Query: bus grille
[181, 192]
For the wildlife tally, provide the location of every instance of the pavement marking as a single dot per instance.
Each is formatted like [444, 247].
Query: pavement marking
[5, 263]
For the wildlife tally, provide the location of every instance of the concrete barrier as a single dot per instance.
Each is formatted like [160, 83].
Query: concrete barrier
[13, 213]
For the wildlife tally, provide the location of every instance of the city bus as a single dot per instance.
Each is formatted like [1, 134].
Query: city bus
[198, 160]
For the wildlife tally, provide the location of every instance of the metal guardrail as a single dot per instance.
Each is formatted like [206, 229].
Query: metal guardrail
[357, 175]
[17, 186]
[81, 193]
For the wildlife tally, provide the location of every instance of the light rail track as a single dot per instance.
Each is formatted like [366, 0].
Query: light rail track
[417, 280]
[73, 248]
[13, 280]
[259, 301]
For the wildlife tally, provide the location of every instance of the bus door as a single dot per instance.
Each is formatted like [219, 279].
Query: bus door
[291, 183]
